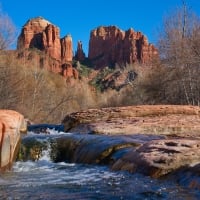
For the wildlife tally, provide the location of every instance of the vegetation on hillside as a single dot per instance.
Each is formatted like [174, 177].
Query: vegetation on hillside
[43, 96]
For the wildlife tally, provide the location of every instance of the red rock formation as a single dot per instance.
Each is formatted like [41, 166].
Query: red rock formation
[80, 55]
[110, 45]
[41, 34]
[51, 41]
[68, 71]
[38, 59]
[66, 49]
[11, 124]
[31, 34]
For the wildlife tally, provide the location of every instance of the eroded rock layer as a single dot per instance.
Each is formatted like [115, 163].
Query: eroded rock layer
[110, 45]
[43, 35]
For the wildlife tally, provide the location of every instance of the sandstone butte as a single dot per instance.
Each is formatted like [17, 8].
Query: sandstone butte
[43, 35]
[109, 45]
[160, 139]
[80, 55]
[11, 125]
[40, 34]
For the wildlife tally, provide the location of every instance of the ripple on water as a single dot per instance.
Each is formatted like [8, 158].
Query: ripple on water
[47, 180]
[44, 179]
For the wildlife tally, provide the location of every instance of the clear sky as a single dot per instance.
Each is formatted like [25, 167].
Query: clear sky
[79, 17]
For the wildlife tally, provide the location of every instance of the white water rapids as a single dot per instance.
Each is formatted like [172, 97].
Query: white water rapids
[44, 179]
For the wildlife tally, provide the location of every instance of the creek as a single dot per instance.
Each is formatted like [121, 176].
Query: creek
[45, 177]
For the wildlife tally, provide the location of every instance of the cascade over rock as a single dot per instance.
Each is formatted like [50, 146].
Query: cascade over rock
[110, 45]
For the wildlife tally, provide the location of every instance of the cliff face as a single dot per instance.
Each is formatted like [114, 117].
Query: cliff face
[51, 41]
[66, 49]
[41, 34]
[110, 45]
[80, 55]
[31, 34]
[107, 46]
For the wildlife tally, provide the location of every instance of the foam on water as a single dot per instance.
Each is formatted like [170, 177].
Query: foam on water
[49, 132]
[44, 179]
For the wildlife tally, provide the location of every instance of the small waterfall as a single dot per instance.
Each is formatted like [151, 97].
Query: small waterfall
[40, 173]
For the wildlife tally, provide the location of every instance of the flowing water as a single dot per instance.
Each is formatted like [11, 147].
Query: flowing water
[44, 179]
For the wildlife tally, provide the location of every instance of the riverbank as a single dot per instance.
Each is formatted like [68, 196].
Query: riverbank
[183, 121]
[155, 141]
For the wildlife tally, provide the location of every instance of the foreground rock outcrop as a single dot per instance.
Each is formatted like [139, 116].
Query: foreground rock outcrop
[110, 45]
[153, 140]
[11, 125]
[176, 147]
[161, 157]
[156, 119]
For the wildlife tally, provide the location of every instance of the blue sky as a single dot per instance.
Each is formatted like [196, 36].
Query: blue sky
[79, 17]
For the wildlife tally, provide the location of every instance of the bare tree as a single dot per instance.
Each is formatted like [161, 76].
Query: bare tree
[175, 37]
[7, 31]
[180, 49]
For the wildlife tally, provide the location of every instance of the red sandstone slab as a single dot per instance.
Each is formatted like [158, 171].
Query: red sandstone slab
[11, 124]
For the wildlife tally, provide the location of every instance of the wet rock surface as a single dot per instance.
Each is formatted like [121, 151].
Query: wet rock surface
[81, 148]
[150, 155]
[157, 141]
[160, 157]
[178, 127]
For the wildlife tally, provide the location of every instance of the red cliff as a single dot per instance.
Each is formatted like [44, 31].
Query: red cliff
[66, 49]
[41, 34]
[110, 45]
[80, 55]
[68, 71]
[51, 41]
